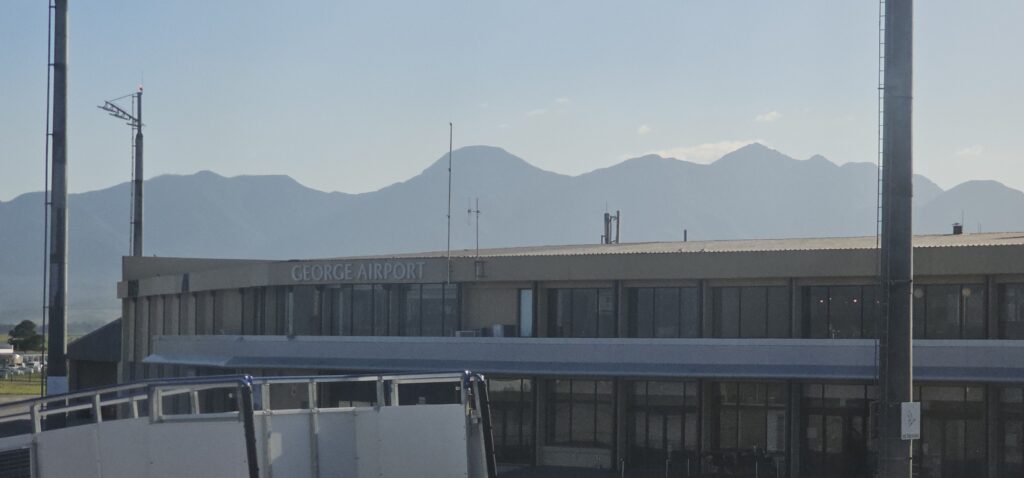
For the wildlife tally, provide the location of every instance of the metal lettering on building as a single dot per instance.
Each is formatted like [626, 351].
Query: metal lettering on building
[361, 271]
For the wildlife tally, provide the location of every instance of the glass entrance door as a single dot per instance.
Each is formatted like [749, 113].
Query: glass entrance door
[837, 440]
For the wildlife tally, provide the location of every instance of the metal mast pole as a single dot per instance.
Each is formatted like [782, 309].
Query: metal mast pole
[57, 372]
[451, 135]
[895, 351]
[137, 181]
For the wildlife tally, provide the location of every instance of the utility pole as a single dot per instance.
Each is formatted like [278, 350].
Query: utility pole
[476, 211]
[135, 121]
[57, 369]
[137, 180]
[451, 136]
[896, 340]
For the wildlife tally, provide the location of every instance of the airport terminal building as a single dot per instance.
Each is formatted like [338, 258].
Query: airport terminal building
[718, 358]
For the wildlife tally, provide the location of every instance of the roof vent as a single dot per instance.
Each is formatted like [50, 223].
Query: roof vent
[958, 228]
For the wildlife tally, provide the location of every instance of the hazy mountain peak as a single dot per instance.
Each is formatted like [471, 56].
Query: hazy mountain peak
[482, 160]
[753, 152]
[817, 158]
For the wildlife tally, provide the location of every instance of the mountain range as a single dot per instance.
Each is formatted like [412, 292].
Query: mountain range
[754, 192]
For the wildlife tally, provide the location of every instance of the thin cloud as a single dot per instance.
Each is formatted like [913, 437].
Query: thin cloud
[705, 153]
[643, 129]
[537, 112]
[971, 151]
[769, 117]
[563, 100]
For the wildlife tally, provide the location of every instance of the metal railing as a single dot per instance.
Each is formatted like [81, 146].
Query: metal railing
[148, 398]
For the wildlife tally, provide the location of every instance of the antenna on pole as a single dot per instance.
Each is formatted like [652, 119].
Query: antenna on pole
[451, 135]
[610, 219]
[469, 214]
[133, 119]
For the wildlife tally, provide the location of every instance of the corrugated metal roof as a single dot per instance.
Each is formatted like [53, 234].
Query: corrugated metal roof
[746, 245]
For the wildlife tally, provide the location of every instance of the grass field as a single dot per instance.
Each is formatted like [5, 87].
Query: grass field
[21, 385]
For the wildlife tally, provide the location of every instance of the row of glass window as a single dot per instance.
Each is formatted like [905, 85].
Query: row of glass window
[949, 311]
[749, 427]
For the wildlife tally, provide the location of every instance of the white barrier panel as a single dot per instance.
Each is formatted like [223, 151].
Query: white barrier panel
[425, 441]
[135, 448]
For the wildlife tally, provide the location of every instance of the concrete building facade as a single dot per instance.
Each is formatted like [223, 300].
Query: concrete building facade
[721, 358]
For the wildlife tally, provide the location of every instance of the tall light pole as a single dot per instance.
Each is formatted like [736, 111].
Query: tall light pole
[56, 359]
[896, 340]
[135, 121]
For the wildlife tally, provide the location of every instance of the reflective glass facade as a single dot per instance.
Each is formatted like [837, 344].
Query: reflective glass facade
[751, 312]
[949, 311]
[663, 427]
[1011, 311]
[841, 312]
[837, 437]
[512, 416]
[582, 312]
[664, 312]
[581, 413]
[953, 439]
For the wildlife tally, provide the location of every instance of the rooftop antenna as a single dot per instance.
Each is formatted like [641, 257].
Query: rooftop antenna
[609, 219]
[135, 121]
[469, 214]
[451, 135]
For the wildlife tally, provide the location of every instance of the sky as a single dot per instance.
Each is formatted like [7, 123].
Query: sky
[353, 96]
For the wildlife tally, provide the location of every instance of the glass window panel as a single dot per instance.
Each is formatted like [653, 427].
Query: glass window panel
[362, 310]
[432, 310]
[526, 312]
[666, 312]
[305, 308]
[751, 427]
[691, 427]
[942, 312]
[1013, 448]
[451, 309]
[778, 312]
[727, 312]
[641, 317]
[411, 317]
[973, 296]
[919, 312]
[605, 424]
[845, 312]
[690, 310]
[345, 311]
[727, 423]
[561, 313]
[816, 318]
[395, 309]
[873, 311]
[1011, 311]
[606, 325]
[584, 313]
[753, 312]
[380, 310]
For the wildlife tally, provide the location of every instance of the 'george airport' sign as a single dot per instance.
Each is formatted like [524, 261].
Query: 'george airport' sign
[358, 271]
